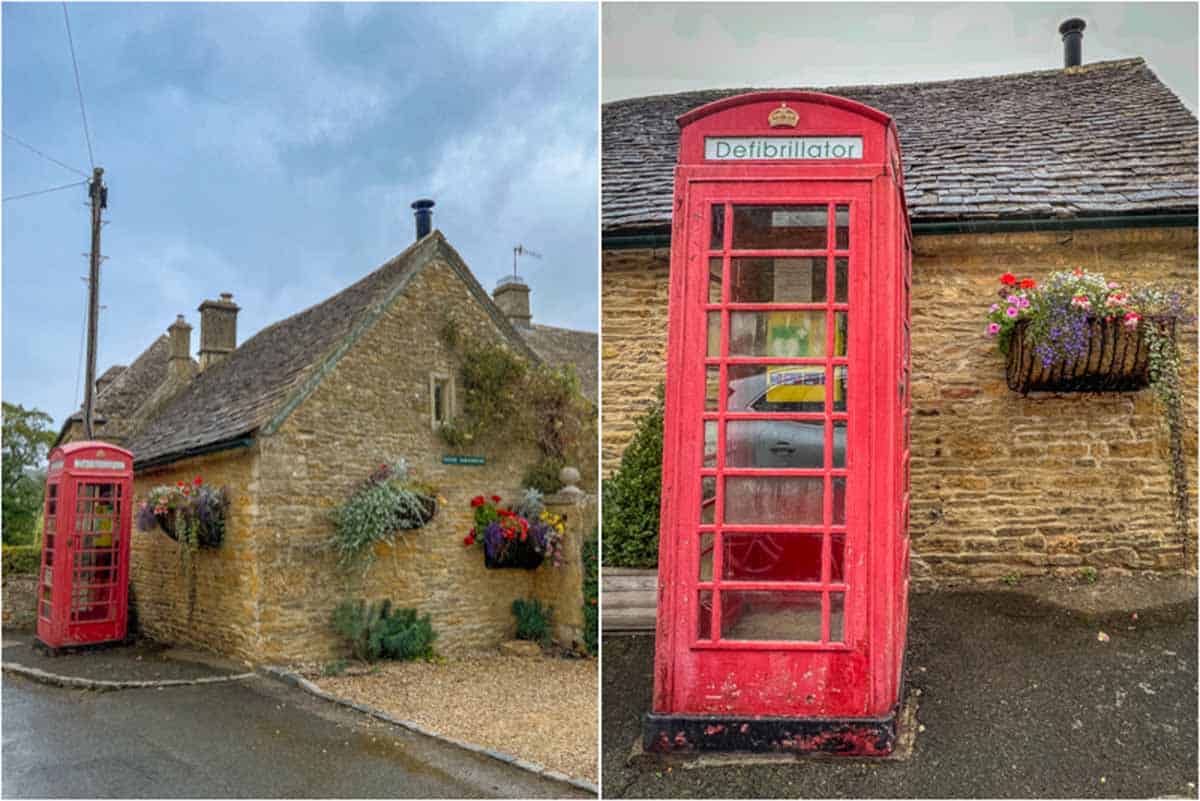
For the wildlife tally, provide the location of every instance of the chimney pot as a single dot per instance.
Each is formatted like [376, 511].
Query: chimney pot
[1072, 36]
[180, 365]
[423, 211]
[218, 329]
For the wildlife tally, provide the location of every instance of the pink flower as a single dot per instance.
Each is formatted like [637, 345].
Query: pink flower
[1012, 299]
[1081, 301]
[993, 329]
[1024, 303]
[1131, 320]
[1011, 311]
[995, 308]
[1113, 285]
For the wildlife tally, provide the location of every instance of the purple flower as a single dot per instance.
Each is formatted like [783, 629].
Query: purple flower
[995, 308]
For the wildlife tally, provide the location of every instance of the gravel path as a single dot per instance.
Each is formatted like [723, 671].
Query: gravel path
[542, 710]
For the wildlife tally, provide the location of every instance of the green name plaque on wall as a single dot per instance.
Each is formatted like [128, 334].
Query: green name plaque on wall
[471, 460]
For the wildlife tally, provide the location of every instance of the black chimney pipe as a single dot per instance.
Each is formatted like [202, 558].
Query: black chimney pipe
[1072, 36]
[423, 211]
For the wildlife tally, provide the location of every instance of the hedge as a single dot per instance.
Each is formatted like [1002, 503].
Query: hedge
[591, 591]
[631, 496]
[21, 560]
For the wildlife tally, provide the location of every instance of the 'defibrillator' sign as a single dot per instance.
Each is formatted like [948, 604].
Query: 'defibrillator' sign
[782, 148]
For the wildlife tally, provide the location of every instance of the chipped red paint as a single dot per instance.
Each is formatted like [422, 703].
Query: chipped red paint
[700, 673]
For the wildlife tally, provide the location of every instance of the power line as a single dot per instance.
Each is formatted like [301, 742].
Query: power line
[78, 89]
[43, 155]
[44, 191]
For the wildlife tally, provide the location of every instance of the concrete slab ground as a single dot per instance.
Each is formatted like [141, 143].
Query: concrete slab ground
[1020, 697]
[249, 739]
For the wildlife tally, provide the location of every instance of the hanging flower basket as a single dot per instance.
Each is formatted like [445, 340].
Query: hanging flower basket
[1116, 359]
[207, 536]
[522, 555]
[521, 536]
[189, 513]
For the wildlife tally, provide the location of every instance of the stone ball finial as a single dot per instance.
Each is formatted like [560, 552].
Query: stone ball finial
[569, 476]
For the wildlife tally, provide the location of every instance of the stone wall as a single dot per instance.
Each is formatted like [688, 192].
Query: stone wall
[19, 601]
[1002, 485]
[373, 407]
[213, 602]
[562, 588]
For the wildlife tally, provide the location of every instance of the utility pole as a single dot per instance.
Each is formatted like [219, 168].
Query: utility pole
[98, 193]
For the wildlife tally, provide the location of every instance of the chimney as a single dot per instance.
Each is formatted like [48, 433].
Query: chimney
[179, 368]
[218, 329]
[1072, 36]
[512, 296]
[423, 211]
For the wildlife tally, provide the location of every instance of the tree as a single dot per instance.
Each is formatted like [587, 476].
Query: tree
[27, 439]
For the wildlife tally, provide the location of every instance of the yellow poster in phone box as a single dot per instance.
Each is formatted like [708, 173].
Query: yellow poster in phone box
[797, 335]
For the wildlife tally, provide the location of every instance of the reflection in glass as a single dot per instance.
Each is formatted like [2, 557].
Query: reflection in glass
[837, 551]
[841, 332]
[770, 615]
[837, 615]
[780, 227]
[704, 615]
[714, 280]
[839, 387]
[842, 221]
[706, 556]
[710, 443]
[771, 557]
[786, 334]
[774, 500]
[775, 443]
[776, 388]
[839, 443]
[841, 269]
[708, 498]
[777, 280]
[717, 240]
[839, 501]
[712, 388]
[714, 334]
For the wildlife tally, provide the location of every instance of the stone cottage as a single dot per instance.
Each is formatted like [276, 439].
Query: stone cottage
[1092, 166]
[291, 420]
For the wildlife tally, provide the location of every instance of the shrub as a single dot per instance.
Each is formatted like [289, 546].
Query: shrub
[21, 560]
[543, 476]
[533, 620]
[375, 631]
[631, 496]
[591, 591]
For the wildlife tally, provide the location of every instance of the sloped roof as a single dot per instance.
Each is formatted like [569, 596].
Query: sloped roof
[264, 378]
[1104, 138]
[129, 387]
[563, 346]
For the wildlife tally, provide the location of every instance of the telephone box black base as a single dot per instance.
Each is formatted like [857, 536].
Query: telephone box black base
[847, 737]
[52, 651]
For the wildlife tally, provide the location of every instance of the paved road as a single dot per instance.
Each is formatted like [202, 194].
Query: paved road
[1020, 699]
[254, 738]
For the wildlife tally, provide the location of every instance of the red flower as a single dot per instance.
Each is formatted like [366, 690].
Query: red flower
[1078, 271]
[477, 501]
[1028, 283]
[198, 481]
[1008, 279]
[179, 483]
[495, 499]
[469, 539]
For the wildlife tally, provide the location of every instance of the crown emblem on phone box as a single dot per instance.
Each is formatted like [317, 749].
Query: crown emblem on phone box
[783, 117]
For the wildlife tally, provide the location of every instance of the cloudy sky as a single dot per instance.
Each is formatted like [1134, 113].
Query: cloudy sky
[659, 48]
[272, 151]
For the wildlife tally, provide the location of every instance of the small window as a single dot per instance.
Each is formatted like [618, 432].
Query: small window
[441, 399]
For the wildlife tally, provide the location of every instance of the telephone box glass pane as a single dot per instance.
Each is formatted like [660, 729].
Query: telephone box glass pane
[708, 498]
[710, 443]
[837, 552]
[717, 241]
[777, 280]
[771, 557]
[774, 500]
[841, 335]
[775, 443]
[704, 615]
[839, 501]
[841, 270]
[706, 556]
[776, 388]
[780, 227]
[786, 334]
[712, 389]
[837, 616]
[714, 280]
[714, 334]
[839, 388]
[770, 615]
[842, 236]
[839, 443]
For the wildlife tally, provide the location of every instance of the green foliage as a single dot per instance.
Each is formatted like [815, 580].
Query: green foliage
[631, 496]
[1088, 575]
[21, 560]
[1011, 579]
[506, 400]
[386, 503]
[376, 631]
[334, 668]
[27, 439]
[591, 592]
[533, 620]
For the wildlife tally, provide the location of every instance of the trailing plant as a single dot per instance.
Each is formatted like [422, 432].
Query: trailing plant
[533, 620]
[376, 631]
[591, 591]
[191, 514]
[632, 495]
[386, 503]
[517, 536]
[508, 400]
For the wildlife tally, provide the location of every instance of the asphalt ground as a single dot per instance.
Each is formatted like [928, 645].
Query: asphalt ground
[1019, 698]
[252, 738]
[143, 660]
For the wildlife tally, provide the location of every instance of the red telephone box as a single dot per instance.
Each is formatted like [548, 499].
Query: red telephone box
[84, 578]
[783, 556]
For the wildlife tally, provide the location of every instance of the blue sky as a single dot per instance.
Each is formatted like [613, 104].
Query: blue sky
[272, 151]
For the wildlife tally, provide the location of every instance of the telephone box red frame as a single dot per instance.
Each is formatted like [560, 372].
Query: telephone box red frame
[838, 690]
[83, 582]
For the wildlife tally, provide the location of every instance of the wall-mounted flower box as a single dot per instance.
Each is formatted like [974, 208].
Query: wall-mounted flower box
[521, 536]
[1116, 358]
[192, 514]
